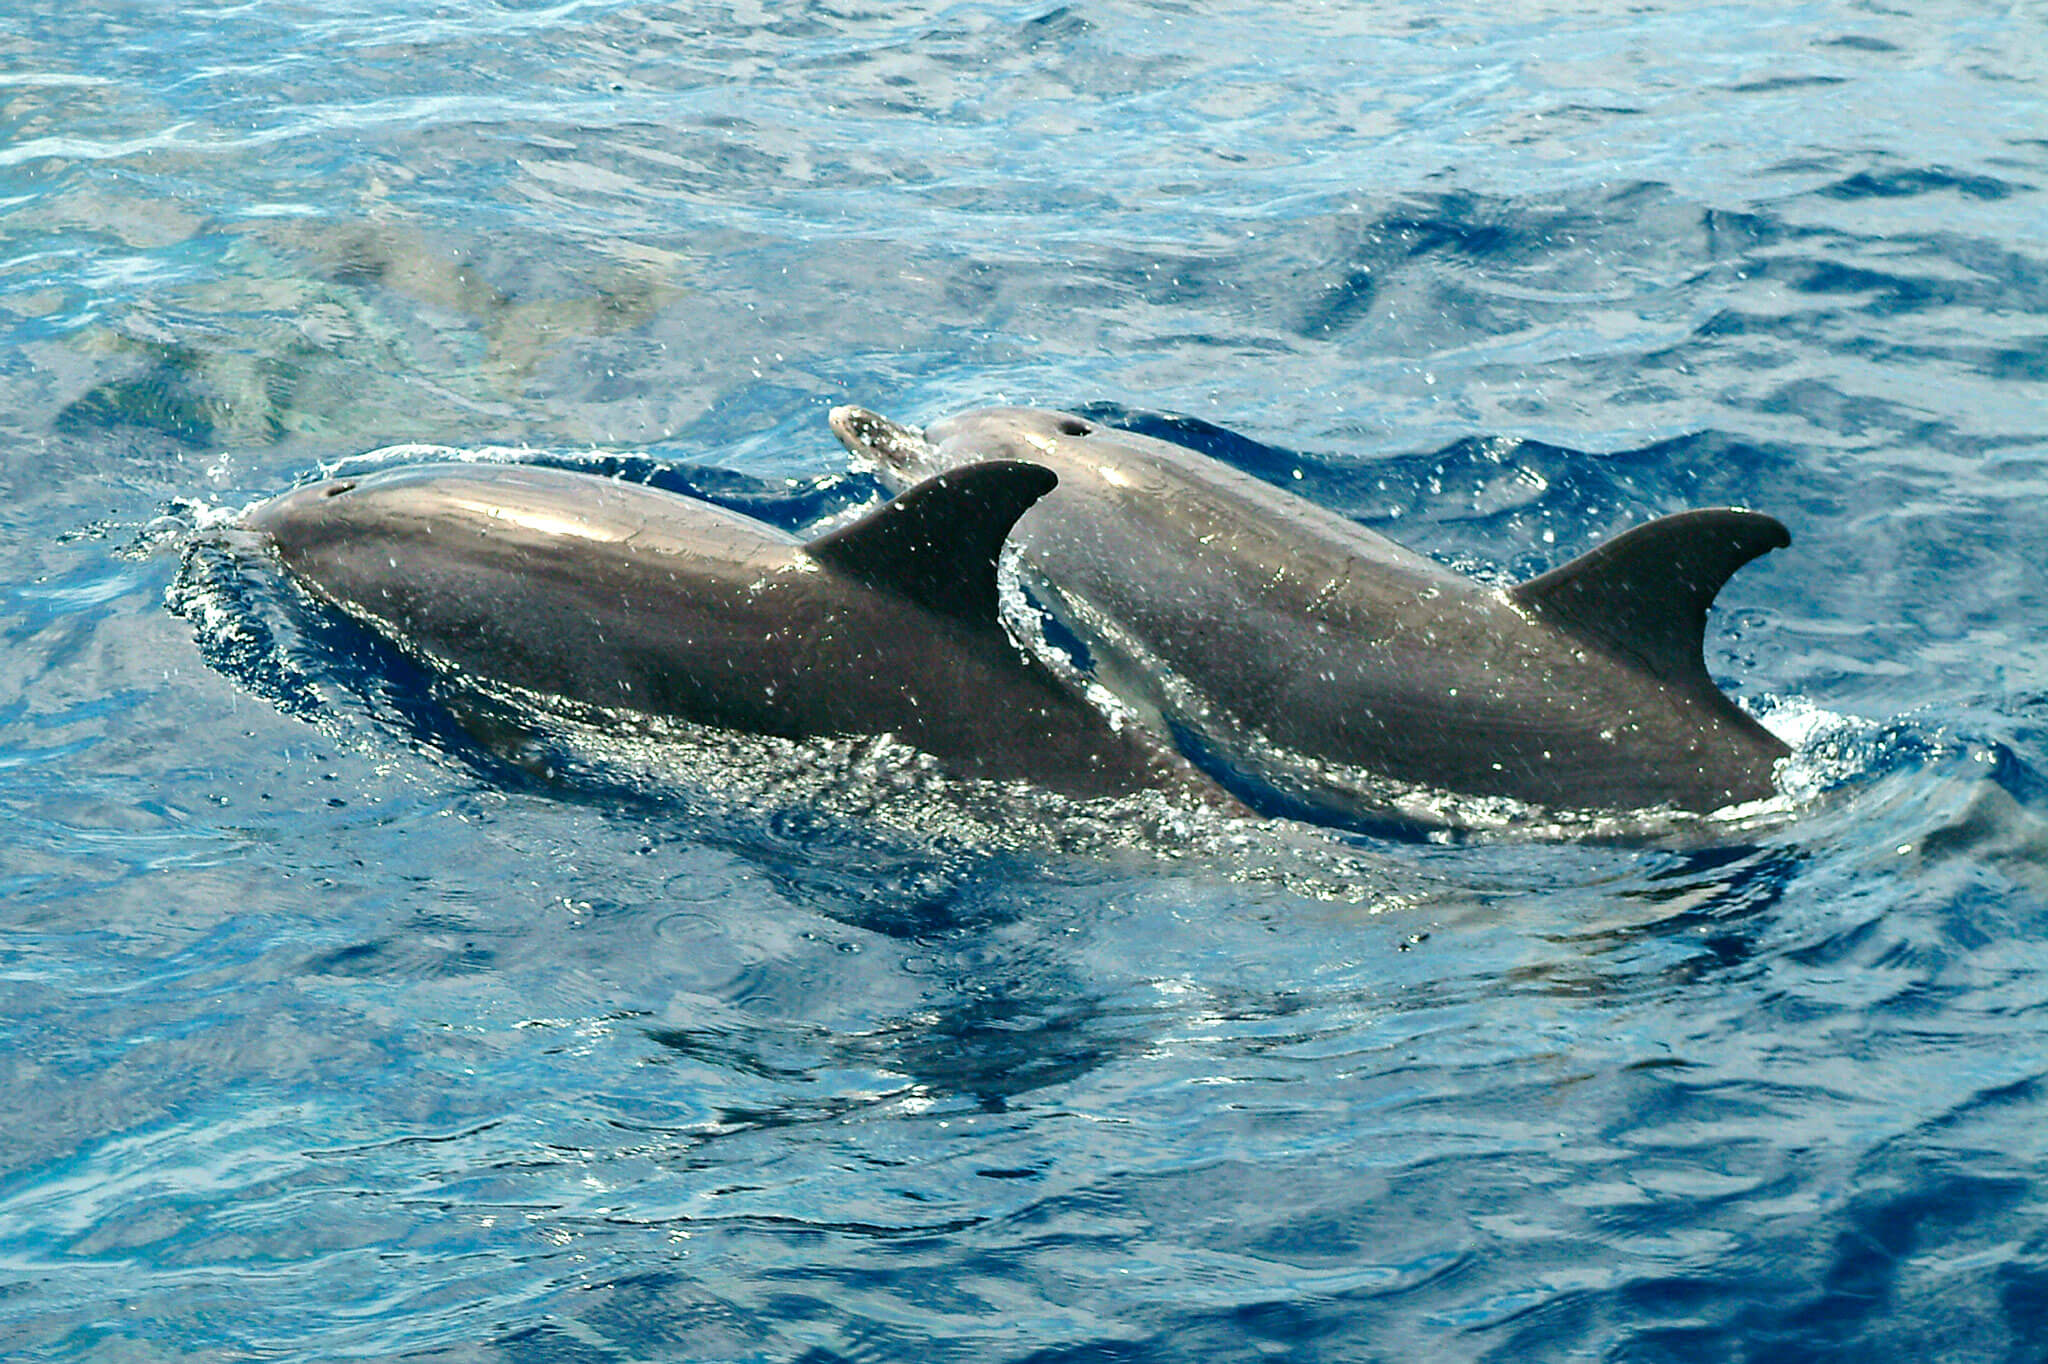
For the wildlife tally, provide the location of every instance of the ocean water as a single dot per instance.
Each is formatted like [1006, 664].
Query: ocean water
[336, 1029]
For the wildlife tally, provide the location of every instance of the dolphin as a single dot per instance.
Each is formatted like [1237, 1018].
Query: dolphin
[623, 596]
[1314, 661]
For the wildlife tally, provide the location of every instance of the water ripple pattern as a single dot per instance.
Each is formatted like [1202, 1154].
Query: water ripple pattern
[342, 1024]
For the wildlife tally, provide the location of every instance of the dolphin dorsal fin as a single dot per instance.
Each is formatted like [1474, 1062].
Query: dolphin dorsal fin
[937, 543]
[1645, 593]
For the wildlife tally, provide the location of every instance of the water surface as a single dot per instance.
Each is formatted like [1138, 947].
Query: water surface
[333, 1032]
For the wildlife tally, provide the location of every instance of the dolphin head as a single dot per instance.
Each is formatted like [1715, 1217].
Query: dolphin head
[350, 540]
[1018, 432]
[338, 538]
[305, 518]
[348, 534]
[904, 453]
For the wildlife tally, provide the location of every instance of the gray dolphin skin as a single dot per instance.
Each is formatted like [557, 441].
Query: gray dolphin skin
[1342, 670]
[620, 595]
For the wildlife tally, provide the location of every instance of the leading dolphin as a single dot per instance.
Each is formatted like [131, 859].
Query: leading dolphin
[1329, 665]
[626, 596]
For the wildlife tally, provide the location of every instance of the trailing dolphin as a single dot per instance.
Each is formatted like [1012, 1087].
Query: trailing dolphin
[1326, 664]
[625, 596]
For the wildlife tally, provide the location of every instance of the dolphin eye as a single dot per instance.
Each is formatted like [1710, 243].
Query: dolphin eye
[337, 489]
[1072, 426]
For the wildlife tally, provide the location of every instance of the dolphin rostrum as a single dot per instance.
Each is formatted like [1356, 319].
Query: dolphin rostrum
[624, 596]
[1325, 664]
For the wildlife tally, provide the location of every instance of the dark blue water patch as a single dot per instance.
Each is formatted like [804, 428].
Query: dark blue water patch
[1002, 1038]
[168, 398]
[1456, 226]
[1726, 900]
[1059, 638]
[788, 504]
[2023, 1296]
[1480, 496]
[668, 1315]
[1862, 42]
[1281, 795]
[2025, 722]
[404, 956]
[1268, 462]
[878, 884]
[1909, 181]
[545, 1343]
[1738, 234]
[1911, 1204]
[1886, 291]
[1383, 270]
[1579, 491]
[1846, 265]
[994, 1046]
[2016, 776]
[1479, 266]
[1725, 931]
[2021, 359]
[2025, 361]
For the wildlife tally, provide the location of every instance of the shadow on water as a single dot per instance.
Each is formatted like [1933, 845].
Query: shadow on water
[165, 395]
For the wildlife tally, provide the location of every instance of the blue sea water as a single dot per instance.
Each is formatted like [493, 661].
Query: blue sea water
[334, 1031]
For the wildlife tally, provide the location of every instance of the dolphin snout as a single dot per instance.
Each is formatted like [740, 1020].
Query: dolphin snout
[870, 435]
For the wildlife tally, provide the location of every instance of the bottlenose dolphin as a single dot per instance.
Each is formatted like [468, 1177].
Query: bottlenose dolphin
[1326, 664]
[625, 596]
